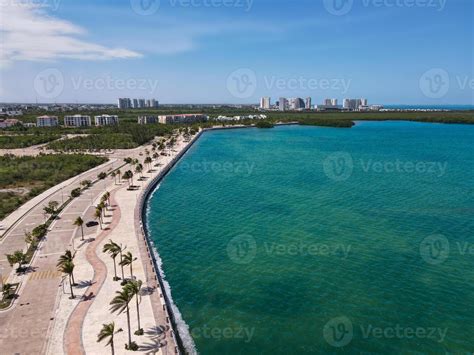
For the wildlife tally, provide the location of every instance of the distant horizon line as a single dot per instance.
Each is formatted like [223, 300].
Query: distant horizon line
[209, 104]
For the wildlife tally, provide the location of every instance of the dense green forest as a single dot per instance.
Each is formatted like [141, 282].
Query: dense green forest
[129, 134]
[22, 178]
[27, 140]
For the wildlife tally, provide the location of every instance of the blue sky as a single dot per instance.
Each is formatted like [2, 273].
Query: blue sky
[234, 51]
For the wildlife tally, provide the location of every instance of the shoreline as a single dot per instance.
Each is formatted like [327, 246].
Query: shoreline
[141, 220]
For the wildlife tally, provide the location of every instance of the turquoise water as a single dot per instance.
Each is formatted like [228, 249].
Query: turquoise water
[322, 240]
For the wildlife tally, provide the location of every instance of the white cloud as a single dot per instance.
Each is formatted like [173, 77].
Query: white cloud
[29, 33]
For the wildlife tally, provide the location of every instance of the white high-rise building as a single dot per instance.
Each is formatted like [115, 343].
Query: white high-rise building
[282, 104]
[346, 104]
[124, 103]
[327, 102]
[307, 103]
[265, 103]
[364, 102]
[333, 102]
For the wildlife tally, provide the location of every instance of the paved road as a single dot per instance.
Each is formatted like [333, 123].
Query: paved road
[29, 321]
[15, 238]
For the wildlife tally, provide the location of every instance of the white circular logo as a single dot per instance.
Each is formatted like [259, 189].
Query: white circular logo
[338, 7]
[145, 7]
[242, 83]
[434, 249]
[338, 332]
[49, 83]
[435, 83]
[242, 249]
[338, 166]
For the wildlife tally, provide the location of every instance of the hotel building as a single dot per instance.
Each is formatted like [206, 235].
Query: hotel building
[185, 118]
[106, 120]
[47, 121]
[77, 121]
[147, 119]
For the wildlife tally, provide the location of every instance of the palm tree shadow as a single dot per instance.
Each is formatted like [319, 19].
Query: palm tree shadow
[156, 341]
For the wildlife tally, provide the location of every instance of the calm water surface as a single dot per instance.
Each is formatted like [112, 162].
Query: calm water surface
[305, 239]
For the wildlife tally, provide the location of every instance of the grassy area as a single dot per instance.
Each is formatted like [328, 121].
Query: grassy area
[95, 142]
[7, 299]
[27, 140]
[36, 174]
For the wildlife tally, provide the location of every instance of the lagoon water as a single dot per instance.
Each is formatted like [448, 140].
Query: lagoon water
[322, 240]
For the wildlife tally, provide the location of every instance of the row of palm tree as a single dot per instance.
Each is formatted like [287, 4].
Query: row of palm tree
[126, 259]
[121, 304]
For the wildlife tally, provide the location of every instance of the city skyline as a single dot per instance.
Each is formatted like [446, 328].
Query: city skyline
[236, 54]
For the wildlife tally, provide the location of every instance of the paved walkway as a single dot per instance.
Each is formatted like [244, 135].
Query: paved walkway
[44, 297]
[73, 335]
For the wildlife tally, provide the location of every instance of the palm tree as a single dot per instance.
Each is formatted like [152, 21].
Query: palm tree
[121, 249]
[107, 197]
[79, 222]
[134, 288]
[108, 331]
[147, 162]
[29, 240]
[68, 268]
[128, 175]
[98, 216]
[120, 304]
[112, 249]
[67, 257]
[139, 170]
[7, 290]
[128, 259]
[52, 208]
[18, 257]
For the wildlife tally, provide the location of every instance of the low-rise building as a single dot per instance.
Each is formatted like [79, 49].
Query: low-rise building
[184, 118]
[9, 122]
[77, 121]
[47, 121]
[106, 120]
[147, 119]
